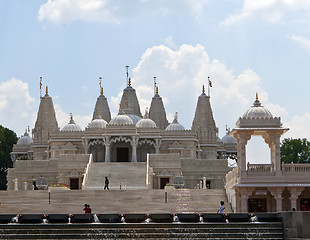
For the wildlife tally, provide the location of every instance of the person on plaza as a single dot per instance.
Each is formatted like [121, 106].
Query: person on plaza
[86, 208]
[106, 183]
[222, 208]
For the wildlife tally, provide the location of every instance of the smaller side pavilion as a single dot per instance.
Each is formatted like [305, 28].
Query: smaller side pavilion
[265, 187]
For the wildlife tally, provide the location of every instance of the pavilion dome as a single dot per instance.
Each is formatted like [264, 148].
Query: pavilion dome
[71, 126]
[134, 118]
[175, 125]
[97, 123]
[228, 139]
[121, 119]
[257, 111]
[146, 122]
[25, 140]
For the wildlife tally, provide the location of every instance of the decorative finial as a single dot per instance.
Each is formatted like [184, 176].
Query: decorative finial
[129, 82]
[40, 87]
[256, 96]
[100, 78]
[120, 107]
[46, 91]
[28, 129]
[175, 120]
[71, 116]
[157, 90]
[146, 113]
[203, 89]
[127, 74]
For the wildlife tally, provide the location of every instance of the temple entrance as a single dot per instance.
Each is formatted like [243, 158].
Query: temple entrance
[122, 154]
[257, 205]
[74, 183]
[163, 182]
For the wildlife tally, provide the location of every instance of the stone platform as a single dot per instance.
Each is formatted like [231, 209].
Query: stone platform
[113, 201]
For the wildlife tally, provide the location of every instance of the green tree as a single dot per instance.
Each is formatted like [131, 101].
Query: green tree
[295, 150]
[7, 139]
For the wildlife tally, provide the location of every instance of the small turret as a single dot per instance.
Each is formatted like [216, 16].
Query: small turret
[102, 106]
[157, 111]
[129, 101]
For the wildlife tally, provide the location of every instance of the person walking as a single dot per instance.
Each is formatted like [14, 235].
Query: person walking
[222, 208]
[106, 183]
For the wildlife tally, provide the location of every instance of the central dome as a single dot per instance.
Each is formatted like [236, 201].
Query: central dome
[146, 122]
[121, 119]
[97, 123]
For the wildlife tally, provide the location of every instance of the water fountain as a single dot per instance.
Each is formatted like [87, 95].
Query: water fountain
[69, 218]
[15, 219]
[96, 219]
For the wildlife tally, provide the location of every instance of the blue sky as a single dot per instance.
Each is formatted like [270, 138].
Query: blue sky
[245, 46]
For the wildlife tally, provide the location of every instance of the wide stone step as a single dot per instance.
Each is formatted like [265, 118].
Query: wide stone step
[143, 231]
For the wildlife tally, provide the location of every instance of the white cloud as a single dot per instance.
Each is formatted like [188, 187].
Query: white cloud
[272, 11]
[180, 75]
[299, 127]
[115, 11]
[304, 42]
[63, 118]
[16, 105]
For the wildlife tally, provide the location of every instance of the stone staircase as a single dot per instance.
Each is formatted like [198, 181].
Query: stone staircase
[121, 175]
[150, 231]
[113, 201]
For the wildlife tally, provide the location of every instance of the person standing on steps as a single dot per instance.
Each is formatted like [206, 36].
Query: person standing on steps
[106, 183]
[86, 208]
[221, 209]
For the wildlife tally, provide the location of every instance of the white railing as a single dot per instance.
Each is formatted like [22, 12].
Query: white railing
[260, 168]
[87, 171]
[290, 168]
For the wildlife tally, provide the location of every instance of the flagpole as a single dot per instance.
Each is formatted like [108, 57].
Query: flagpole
[127, 74]
[208, 86]
[40, 87]
[154, 85]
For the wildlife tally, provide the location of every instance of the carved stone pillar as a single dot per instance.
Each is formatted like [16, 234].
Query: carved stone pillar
[242, 141]
[277, 194]
[244, 202]
[85, 145]
[157, 145]
[204, 179]
[107, 144]
[295, 192]
[134, 144]
[15, 184]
